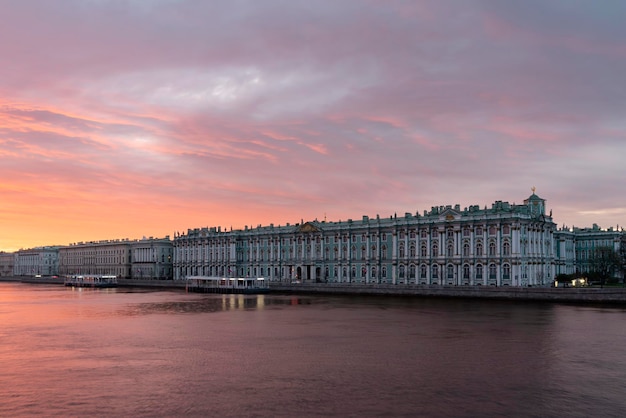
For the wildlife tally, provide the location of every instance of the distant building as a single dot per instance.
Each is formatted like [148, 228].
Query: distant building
[7, 262]
[152, 258]
[582, 244]
[149, 258]
[565, 251]
[40, 261]
[506, 244]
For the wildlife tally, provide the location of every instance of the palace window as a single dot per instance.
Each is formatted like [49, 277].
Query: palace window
[466, 249]
[492, 249]
[423, 271]
[506, 272]
[479, 271]
[492, 271]
[466, 271]
[435, 250]
[506, 249]
[479, 249]
[450, 271]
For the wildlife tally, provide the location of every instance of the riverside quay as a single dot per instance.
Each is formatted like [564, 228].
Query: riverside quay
[505, 245]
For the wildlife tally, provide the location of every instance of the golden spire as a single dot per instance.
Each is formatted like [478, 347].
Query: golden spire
[533, 189]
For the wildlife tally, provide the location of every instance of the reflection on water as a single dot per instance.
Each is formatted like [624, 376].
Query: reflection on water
[120, 352]
[212, 303]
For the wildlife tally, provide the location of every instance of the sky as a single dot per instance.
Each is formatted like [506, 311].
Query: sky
[133, 118]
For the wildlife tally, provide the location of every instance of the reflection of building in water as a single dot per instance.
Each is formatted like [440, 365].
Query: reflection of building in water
[243, 302]
[506, 244]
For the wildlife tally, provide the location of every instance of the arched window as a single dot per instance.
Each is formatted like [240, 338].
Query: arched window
[374, 251]
[435, 271]
[466, 249]
[506, 249]
[479, 249]
[412, 251]
[363, 252]
[423, 271]
[492, 271]
[401, 272]
[373, 272]
[479, 271]
[450, 251]
[401, 251]
[383, 271]
[450, 271]
[492, 249]
[424, 251]
[506, 272]
[435, 251]
[466, 271]
[412, 271]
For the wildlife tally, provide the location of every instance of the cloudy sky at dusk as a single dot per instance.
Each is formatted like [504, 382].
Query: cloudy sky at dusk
[131, 118]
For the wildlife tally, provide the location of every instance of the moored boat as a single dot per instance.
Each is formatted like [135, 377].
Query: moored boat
[208, 284]
[91, 280]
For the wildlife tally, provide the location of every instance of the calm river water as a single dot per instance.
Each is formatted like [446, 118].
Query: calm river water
[136, 353]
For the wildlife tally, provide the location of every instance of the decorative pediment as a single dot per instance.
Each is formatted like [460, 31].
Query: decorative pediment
[449, 214]
[308, 227]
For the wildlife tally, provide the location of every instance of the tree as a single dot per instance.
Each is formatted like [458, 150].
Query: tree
[604, 262]
[621, 258]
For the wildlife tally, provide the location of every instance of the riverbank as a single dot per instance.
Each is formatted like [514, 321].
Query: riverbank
[548, 294]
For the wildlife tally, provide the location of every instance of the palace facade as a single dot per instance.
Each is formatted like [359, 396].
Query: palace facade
[506, 244]
[148, 258]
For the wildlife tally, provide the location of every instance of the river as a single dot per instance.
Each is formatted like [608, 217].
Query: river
[144, 353]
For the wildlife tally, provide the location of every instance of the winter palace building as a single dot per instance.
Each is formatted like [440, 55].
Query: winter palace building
[507, 244]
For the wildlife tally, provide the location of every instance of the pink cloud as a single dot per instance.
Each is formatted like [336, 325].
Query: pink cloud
[189, 113]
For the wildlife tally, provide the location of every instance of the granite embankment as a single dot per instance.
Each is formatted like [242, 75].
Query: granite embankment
[571, 294]
[611, 295]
